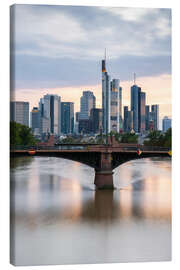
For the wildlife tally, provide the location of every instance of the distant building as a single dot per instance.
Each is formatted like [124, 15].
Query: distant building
[135, 106]
[155, 116]
[106, 98]
[125, 124]
[84, 126]
[87, 102]
[50, 108]
[67, 117]
[77, 116]
[130, 121]
[19, 112]
[96, 120]
[166, 123]
[35, 121]
[142, 112]
[44, 125]
[147, 117]
[114, 106]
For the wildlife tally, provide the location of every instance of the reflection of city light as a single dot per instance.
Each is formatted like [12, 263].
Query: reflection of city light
[157, 201]
[73, 206]
[126, 203]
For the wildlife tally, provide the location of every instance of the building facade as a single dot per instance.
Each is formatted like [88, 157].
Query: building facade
[19, 112]
[87, 102]
[96, 120]
[166, 123]
[67, 117]
[50, 108]
[135, 106]
[106, 98]
[155, 116]
[142, 112]
[35, 121]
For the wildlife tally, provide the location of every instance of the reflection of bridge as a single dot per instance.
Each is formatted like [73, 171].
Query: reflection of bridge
[103, 158]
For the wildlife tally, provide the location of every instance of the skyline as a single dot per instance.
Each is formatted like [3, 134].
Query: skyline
[43, 48]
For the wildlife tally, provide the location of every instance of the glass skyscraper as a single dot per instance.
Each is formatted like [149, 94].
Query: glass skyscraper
[155, 115]
[87, 102]
[67, 117]
[50, 108]
[135, 106]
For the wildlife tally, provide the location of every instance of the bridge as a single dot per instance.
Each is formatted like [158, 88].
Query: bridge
[103, 158]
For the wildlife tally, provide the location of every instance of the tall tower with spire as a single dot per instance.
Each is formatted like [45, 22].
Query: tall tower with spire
[106, 96]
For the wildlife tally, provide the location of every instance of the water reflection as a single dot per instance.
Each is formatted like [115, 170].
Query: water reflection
[48, 198]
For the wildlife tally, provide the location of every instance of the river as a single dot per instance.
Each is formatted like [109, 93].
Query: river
[57, 216]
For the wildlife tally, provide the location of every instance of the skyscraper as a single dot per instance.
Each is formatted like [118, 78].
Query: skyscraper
[87, 102]
[111, 102]
[106, 97]
[147, 117]
[114, 105]
[142, 112]
[35, 120]
[19, 112]
[155, 114]
[166, 123]
[135, 106]
[96, 120]
[125, 124]
[67, 117]
[50, 108]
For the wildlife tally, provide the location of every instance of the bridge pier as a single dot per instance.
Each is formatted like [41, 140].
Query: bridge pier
[104, 174]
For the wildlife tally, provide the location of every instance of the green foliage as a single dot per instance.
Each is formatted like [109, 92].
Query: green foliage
[129, 138]
[21, 135]
[157, 138]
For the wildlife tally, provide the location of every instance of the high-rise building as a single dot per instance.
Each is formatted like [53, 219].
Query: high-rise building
[114, 106]
[125, 124]
[67, 117]
[130, 121]
[35, 120]
[84, 126]
[142, 112]
[166, 123]
[19, 112]
[106, 98]
[147, 117]
[111, 102]
[120, 110]
[135, 106]
[50, 108]
[88, 101]
[155, 116]
[96, 120]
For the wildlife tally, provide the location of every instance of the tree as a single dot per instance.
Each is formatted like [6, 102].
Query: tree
[21, 135]
[157, 138]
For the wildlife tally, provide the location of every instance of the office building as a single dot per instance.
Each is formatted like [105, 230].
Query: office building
[135, 106]
[111, 102]
[125, 124]
[114, 106]
[84, 126]
[147, 117]
[35, 121]
[166, 124]
[50, 108]
[155, 116]
[106, 98]
[142, 112]
[87, 102]
[67, 117]
[96, 120]
[19, 112]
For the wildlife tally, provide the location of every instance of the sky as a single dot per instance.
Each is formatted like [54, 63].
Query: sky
[58, 50]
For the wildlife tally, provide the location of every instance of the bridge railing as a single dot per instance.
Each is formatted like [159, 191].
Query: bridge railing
[124, 147]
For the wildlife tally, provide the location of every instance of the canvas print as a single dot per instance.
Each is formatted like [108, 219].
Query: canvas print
[90, 135]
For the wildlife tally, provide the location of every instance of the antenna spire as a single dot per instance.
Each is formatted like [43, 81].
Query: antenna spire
[134, 78]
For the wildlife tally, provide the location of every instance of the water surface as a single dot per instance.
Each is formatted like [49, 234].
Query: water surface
[59, 218]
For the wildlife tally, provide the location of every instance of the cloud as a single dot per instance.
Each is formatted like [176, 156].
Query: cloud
[63, 45]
